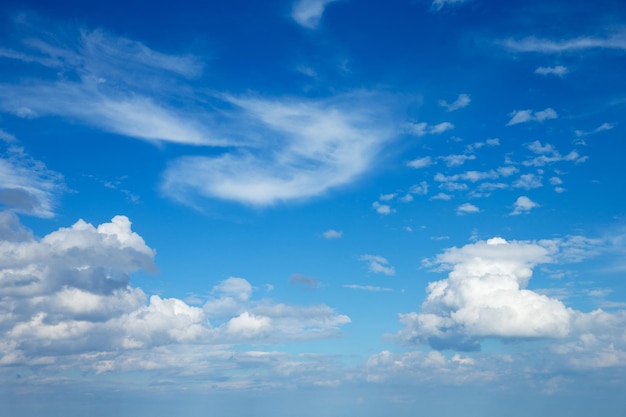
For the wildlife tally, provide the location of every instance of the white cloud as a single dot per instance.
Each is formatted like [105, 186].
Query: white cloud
[485, 296]
[441, 196]
[548, 154]
[332, 234]
[463, 100]
[528, 181]
[382, 208]
[387, 197]
[66, 302]
[308, 13]
[420, 162]
[524, 116]
[370, 288]
[558, 70]
[423, 128]
[549, 46]
[420, 189]
[311, 148]
[26, 185]
[378, 264]
[467, 208]
[457, 160]
[109, 82]
[602, 128]
[523, 204]
[439, 4]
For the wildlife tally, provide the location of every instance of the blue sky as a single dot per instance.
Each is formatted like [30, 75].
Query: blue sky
[312, 208]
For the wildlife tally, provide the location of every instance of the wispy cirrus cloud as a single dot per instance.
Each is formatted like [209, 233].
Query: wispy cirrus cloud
[558, 70]
[378, 264]
[616, 41]
[27, 186]
[463, 100]
[108, 82]
[437, 5]
[312, 146]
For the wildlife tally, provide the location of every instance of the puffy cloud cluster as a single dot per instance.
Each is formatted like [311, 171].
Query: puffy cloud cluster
[524, 116]
[485, 296]
[67, 296]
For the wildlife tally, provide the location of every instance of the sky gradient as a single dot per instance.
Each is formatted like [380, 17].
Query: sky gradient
[312, 208]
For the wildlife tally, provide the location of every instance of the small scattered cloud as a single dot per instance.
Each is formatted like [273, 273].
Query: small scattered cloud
[378, 264]
[437, 5]
[300, 279]
[523, 204]
[308, 13]
[602, 128]
[528, 181]
[467, 208]
[548, 154]
[442, 196]
[332, 234]
[420, 162]
[382, 208]
[387, 197]
[463, 100]
[558, 70]
[457, 160]
[524, 116]
[370, 288]
[423, 128]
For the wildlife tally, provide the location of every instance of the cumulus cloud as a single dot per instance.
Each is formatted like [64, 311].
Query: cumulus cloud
[523, 204]
[558, 70]
[467, 208]
[457, 160]
[528, 181]
[332, 234]
[66, 299]
[420, 162]
[485, 295]
[307, 13]
[382, 208]
[423, 128]
[463, 100]
[27, 186]
[548, 154]
[378, 264]
[524, 116]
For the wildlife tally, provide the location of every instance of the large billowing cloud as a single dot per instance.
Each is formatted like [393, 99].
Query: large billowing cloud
[485, 296]
[66, 300]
